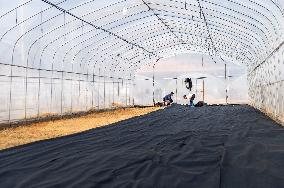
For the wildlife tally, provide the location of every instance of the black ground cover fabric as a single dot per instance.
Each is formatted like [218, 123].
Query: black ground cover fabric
[208, 147]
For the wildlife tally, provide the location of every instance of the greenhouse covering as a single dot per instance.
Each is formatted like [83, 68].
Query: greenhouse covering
[63, 56]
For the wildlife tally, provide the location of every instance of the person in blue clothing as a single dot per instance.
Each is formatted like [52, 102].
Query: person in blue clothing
[168, 99]
[191, 104]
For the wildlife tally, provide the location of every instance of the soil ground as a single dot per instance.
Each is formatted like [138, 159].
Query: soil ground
[45, 130]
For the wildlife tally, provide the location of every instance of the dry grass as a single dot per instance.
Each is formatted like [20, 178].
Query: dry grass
[40, 131]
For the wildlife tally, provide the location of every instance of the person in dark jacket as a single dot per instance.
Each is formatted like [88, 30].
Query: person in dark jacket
[168, 99]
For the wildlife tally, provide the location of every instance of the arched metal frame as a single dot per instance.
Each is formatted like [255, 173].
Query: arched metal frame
[118, 37]
[254, 39]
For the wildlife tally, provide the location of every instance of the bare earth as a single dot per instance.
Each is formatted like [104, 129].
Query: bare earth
[40, 131]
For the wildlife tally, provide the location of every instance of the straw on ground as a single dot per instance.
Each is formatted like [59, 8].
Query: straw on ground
[40, 131]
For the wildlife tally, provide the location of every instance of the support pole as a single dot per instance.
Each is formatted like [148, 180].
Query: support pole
[71, 107]
[225, 71]
[154, 84]
[154, 81]
[126, 92]
[99, 84]
[196, 87]
[93, 84]
[109, 94]
[130, 89]
[51, 87]
[87, 90]
[38, 95]
[26, 91]
[176, 89]
[113, 91]
[61, 95]
[10, 94]
[79, 98]
[133, 102]
[104, 91]
[118, 90]
[226, 96]
[203, 91]
[226, 83]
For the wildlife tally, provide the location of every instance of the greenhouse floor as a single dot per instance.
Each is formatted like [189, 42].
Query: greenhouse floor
[24, 134]
[231, 146]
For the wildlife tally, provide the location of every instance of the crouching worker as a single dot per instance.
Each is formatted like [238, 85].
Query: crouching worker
[168, 99]
[200, 104]
[191, 103]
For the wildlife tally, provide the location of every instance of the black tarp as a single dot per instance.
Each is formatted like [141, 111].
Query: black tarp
[208, 147]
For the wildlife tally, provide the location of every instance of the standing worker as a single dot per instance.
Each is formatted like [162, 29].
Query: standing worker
[191, 104]
[168, 99]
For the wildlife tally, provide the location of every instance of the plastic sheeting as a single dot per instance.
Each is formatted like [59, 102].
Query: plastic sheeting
[267, 85]
[170, 74]
[61, 56]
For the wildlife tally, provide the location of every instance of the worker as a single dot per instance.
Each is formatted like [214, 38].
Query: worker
[200, 104]
[188, 83]
[168, 99]
[191, 104]
[185, 100]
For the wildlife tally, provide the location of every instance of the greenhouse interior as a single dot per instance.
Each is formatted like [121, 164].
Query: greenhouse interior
[179, 93]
